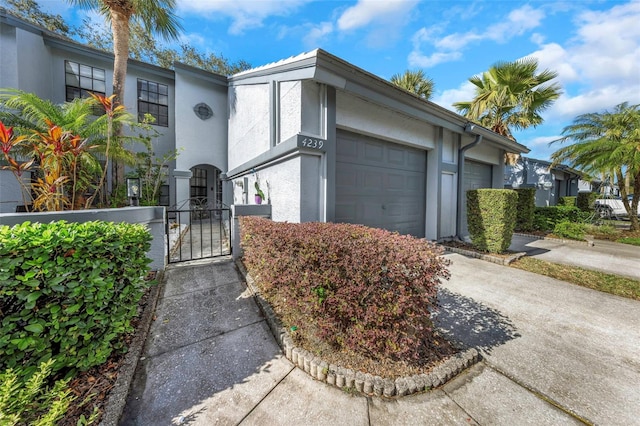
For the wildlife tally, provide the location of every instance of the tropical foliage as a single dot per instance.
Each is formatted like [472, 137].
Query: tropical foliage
[607, 143]
[155, 16]
[511, 96]
[62, 146]
[415, 82]
[142, 45]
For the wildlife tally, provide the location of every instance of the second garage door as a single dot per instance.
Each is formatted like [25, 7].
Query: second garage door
[380, 184]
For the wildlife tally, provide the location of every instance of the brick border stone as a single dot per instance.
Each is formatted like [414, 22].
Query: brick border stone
[348, 379]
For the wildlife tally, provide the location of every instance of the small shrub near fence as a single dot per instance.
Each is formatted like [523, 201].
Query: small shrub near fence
[491, 218]
[586, 200]
[525, 209]
[567, 201]
[69, 291]
[368, 290]
[546, 218]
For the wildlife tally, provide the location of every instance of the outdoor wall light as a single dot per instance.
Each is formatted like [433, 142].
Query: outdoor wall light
[133, 191]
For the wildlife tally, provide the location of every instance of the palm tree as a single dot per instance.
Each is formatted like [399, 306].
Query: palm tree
[510, 96]
[156, 16]
[415, 82]
[607, 142]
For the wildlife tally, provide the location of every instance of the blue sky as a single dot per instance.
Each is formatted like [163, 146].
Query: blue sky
[593, 45]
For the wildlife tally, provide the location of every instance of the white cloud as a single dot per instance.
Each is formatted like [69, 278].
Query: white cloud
[366, 12]
[447, 98]
[416, 59]
[600, 67]
[449, 47]
[245, 14]
[317, 33]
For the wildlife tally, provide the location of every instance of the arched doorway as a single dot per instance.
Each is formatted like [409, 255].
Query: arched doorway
[205, 186]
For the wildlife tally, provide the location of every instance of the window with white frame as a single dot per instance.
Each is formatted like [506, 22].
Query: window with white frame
[153, 99]
[81, 79]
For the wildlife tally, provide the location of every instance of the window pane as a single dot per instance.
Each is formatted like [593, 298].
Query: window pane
[98, 74]
[153, 97]
[72, 80]
[71, 67]
[72, 93]
[163, 121]
[99, 86]
[163, 110]
[144, 96]
[86, 83]
[153, 87]
[142, 85]
[163, 89]
[163, 100]
[153, 109]
[85, 71]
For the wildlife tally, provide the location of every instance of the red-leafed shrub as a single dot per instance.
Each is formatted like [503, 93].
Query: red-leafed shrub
[354, 287]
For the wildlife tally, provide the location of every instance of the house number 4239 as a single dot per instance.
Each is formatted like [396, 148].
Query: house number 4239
[312, 143]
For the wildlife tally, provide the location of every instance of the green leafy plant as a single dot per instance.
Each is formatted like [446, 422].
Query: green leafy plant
[69, 291]
[571, 230]
[525, 209]
[567, 201]
[546, 218]
[586, 200]
[151, 169]
[364, 289]
[491, 218]
[32, 401]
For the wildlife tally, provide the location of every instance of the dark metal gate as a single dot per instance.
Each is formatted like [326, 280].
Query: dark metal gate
[198, 234]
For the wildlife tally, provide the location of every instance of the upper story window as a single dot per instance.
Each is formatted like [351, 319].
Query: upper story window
[153, 98]
[81, 79]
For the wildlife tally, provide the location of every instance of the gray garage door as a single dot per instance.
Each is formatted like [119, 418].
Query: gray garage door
[380, 184]
[476, 175]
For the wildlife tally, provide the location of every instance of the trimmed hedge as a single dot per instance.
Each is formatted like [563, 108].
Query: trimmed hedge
[525, 209]
[586, 200]
[546, 218]
[491, 218]
[68, 291]
[567, 201]
[348, 286]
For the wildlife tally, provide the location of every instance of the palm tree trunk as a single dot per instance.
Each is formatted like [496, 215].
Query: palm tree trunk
[120, 30]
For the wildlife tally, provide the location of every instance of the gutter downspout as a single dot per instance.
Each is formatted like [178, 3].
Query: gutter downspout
[469, 128]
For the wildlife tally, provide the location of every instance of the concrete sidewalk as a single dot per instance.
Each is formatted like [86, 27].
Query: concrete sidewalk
[554, 354]
[605, 256]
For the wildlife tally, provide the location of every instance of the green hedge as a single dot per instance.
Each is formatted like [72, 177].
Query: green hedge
[69, 291]
[491, 218]
[585, 200]
[348, 286]
[567, 201]
[525, 209]
[546, 218]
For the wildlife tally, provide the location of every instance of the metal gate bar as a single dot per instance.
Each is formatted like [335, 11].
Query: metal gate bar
[202, 233]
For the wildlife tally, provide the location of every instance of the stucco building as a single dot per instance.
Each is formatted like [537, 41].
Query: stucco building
[327, 141]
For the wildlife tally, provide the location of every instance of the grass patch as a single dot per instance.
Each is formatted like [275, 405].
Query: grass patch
[608, 283]
[629, 240]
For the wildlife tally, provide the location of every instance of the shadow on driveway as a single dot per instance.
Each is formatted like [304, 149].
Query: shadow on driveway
[470, 324]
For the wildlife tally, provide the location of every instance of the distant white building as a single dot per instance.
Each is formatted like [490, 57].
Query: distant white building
[550, 183]
[327, 140]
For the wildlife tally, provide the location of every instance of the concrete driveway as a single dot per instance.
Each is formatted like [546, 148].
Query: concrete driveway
[554, 353]
[605, 256]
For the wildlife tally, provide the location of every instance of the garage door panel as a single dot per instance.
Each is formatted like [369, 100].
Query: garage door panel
[383, 186]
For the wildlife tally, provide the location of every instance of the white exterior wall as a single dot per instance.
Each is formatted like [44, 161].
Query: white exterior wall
[313, 107]
[200, 141]
[249, 123]
[360, 116]
[290, 111]
[9, 62]
[10, 191]
[283, 189]
[34, 65]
